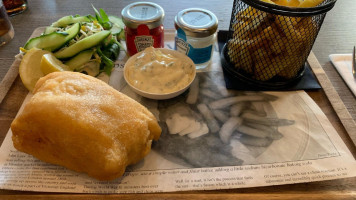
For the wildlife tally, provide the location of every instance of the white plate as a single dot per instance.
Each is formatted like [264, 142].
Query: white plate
[342, 63]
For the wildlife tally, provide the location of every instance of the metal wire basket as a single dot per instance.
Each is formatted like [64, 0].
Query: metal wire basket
[268, 44]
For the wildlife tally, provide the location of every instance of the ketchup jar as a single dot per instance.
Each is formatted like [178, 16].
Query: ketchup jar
[143, 26]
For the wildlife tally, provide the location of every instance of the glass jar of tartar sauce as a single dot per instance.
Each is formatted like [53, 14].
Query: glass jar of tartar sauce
[143, 26]
[196, 34]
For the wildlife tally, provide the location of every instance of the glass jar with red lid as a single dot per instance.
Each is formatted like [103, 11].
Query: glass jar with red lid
[143, 26]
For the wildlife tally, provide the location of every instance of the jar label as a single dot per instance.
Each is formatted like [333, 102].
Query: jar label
[198, 55]
[182, 46]
[143, 41]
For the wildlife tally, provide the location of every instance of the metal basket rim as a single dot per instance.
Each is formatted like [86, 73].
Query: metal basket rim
[290, 11]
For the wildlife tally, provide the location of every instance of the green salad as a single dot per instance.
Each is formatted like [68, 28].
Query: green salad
[87, 44]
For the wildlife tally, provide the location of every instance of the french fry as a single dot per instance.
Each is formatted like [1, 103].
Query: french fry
[307, 28]
[288, 3]
[250, 13]
[293, 67]
[234, 51]
[293, 60]
[305, 23]
[265, 68]
[239, 53]
[287, 25]
[247, 60]
[295, 3]
[275, 36]
[263, 39]
[289, 47]
[309, 3]
[262, 53]
[248, 29]
[276, 46]
[268, 1]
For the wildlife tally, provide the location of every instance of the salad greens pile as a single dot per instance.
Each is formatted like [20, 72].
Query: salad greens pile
[87, 44]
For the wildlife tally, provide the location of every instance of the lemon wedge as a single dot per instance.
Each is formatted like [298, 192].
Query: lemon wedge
[49, 64]
[29, 69]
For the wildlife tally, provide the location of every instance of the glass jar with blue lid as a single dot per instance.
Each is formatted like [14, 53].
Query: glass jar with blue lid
[196, 34]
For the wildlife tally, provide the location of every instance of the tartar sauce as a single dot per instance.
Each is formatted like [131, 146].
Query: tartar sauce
[156, 72]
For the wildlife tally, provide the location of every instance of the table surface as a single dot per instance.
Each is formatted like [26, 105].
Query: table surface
[336, 36]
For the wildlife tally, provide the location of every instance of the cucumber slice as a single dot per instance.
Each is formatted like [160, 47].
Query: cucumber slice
[81, 45]
[80, 59]
[67, 20]
[118, 25]
[54, 40]
[50, 29]
[121, 35]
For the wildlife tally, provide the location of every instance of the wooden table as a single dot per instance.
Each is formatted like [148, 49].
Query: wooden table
[337, 35]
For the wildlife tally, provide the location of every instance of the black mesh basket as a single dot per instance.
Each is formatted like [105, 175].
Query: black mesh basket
[268, 44]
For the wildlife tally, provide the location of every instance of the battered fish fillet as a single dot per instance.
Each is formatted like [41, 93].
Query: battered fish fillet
[80, 122]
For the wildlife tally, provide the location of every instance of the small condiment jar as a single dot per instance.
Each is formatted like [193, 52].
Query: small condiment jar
[143, 26]
[196, 34]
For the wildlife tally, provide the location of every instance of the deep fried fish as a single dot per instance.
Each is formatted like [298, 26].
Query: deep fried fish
[82, 123]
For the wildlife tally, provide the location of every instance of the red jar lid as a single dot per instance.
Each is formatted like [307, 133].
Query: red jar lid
[147, 13]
